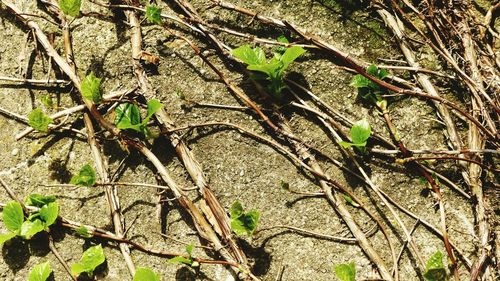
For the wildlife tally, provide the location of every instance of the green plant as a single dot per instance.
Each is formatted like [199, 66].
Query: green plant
[91, 259]
[272, 69]
[360, 132]
[346, 272]
[367, 89]
[83, 232]
[153, 14]
[434, 269]
[46, 100]
[14, 220]
[187, 261]
[91, 88]
[40, 272]
[243, 223]
[146, 274]
[70, 7]
[39, 120]
[128, 116]
[86, 176]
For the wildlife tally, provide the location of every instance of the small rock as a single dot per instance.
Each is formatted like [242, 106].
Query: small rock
[15, 151]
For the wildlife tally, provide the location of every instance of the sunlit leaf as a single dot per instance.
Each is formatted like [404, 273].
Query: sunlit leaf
[13, 216]
[146, 274]
[40, 272]
[70, 7]
[91, 88]
[39, 120]
[30, 228]
[91, 259]
[86, 176]
[346, 272]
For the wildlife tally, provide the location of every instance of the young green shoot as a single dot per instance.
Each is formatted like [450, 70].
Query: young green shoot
[346, 272]
[86, 177]
[367, 89]
[153, 14]
[146, 274]
[70, 7]
[91, 88]
[128, 117]
[360, 132]
[39, 120]
[271, 69]
[14, 220]
[243, 223]
[91, 259]
[187, 261]
[434, 269]
[40, 272]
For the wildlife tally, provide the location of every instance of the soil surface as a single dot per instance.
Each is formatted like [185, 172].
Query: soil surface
[238, 167]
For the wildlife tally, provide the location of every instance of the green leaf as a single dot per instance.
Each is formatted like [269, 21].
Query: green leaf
[86, 177]
[146, 274]
[359, 81]
[349, 200]
[70, 7]
[290, 55]
[360, 132]
[249, 56]
[6, 237]
[346, 272]
[49, 213]
[282, 39]
[246, 223]
[30, 228]
[372, 70]
[189, 249]
[91, 88]
[46, 100]
[13, 216]
[279, 50]
[84, 232]
[271, 69]
[38, 200]
[128, 116]
[91, 259]
[434, 268]
[345, 144]
[180, 259]
[236, 210]
[153, 107]
[40, 272]
[39, 120]
[382, 73]
[153, 14]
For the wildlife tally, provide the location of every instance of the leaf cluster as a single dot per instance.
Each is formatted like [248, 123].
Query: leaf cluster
[367, 89]
[128, 117]
[15, 221]
[243, 223]
[271, 69]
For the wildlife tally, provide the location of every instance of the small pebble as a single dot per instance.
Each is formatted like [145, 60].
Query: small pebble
[15, 151]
